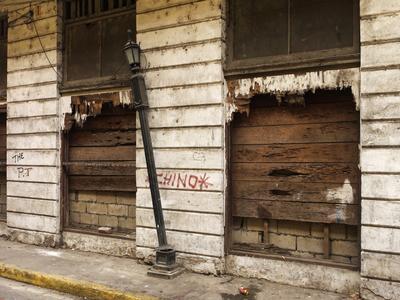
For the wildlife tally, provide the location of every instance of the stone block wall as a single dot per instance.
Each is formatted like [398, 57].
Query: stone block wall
[33, 139]
[3, 196]
[97, 209]
[300, 239]
[380, 155]
[182, 41]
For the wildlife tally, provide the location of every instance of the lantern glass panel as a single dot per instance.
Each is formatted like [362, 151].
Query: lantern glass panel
[129, 55]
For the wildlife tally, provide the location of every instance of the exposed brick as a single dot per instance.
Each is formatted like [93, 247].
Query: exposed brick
[78, 206]
[337, 232]
[109, 221]
[294, 228]
[89, 219]
[106, 197]
[126, 198]
[283, 241]
[126, 223]
[253, 224]
[243, 236]
[87, 196]
[313, 245]
[117, 210]
[345, 248]
[97, 208]
[75, 218]
[317, 230]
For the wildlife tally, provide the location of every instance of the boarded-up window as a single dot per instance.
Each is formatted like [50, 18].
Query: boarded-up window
[95, 32]
[281, 34]
[100, 164]
[3, 56]
[298, 162]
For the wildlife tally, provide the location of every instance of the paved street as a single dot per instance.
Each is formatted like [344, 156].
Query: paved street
[13, 290]
[127, 275]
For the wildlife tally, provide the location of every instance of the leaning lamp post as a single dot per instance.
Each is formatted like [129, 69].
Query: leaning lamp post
[165, 264]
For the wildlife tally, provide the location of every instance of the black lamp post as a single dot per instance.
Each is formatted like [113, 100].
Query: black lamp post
[165, 265]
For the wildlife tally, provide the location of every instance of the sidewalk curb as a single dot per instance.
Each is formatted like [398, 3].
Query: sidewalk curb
[66, 285]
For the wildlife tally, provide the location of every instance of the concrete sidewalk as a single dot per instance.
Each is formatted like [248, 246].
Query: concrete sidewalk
[128, 276]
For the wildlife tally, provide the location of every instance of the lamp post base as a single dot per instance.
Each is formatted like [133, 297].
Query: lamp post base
[165, 265]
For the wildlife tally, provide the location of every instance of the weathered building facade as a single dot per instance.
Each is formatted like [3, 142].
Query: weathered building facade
[276, 160]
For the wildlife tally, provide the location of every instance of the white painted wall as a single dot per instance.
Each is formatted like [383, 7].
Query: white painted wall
[182, 41]
[380, 162]
[33, 168]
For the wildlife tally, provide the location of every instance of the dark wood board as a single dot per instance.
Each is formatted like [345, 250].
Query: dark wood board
[102, 138]
[110, 122]
[310, 114]
[102, 170]
[297, 191]
[296, 172]
[300, 133]
[102, 183]
[118, 153]
[297, 153]
[297, 211]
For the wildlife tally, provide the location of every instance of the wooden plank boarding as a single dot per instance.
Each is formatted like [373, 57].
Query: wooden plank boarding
[297, 211]
[117, 153]
[318, 113]
[297, 191]
[101, 169]
[297, 163]
[297, 153]
[102, 153]
[300, 133]
[105, 138]
[102, 183]
[296, 172]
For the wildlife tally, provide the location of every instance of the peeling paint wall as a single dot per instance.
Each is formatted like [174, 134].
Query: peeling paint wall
[241, 91]
[380, 153]
[182, 42]
[33, 166]
[78, 108]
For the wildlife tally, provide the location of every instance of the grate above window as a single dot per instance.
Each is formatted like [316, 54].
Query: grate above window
[278, 35]
[95, 33]
[77, 9]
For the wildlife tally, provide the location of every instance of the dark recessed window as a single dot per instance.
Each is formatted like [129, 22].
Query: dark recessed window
[95, 32]
[277, 34]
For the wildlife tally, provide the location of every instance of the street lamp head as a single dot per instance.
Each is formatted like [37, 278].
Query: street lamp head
[132, 53]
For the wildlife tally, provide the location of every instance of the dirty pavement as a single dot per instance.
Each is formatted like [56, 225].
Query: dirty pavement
[127, 275]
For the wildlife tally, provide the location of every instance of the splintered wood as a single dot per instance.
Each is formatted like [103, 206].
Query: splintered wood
[297, 163]
[92, 104]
